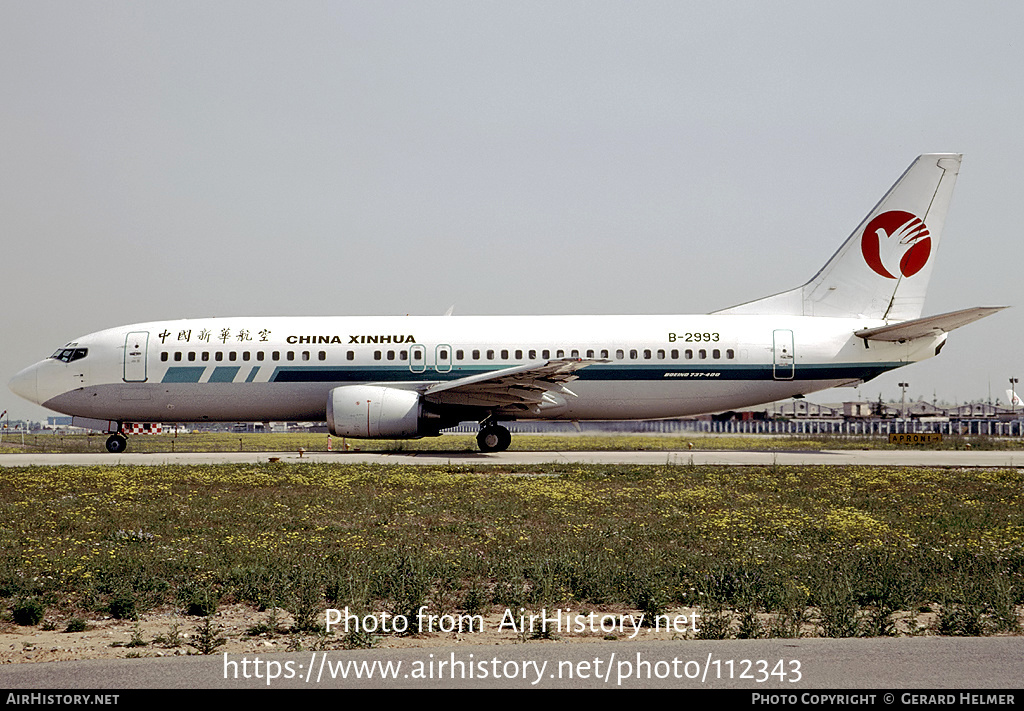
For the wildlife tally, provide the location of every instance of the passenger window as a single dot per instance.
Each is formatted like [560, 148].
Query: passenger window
[403, 355]
[290, 355]
[519, 355]
[620, 354]
[259, 355]
[192, 355]
[245, 355]
[702, 353]
[661, 354]
[350, 355]
[206, 356]
[490, 355]
[322, 355]
[177, 356]
[689, 354]
[218, 356]
[574, 354]
[675, 354]
[459, 355]
[276, 355]
[633, 354]
[730, 353]
[716, 353]
[391, 355]
[376, 355]
[545, 354]
[163, 357]
[233, 355]
[590, 353]
[647, 354]
[443, 354]
[604, 352]
[504, 354]
[560, 353]
[476, 355]
[532, 355]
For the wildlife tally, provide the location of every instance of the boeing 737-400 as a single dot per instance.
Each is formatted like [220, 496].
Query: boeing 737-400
[413, 376]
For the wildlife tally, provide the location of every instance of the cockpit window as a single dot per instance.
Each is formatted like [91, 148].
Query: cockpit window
[68, 355]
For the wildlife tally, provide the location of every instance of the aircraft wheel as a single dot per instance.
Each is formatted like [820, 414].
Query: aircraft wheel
[117, 443]
[494, 438]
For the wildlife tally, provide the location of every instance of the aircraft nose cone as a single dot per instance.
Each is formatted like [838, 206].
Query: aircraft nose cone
[25, 385]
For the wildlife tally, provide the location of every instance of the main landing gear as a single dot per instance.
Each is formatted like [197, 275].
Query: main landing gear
[493, 438]
[117, 443]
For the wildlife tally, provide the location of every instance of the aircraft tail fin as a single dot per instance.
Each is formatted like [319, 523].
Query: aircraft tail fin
[1013, 398]
[882, 270]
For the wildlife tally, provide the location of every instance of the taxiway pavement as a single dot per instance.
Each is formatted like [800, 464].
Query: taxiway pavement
[875, 457]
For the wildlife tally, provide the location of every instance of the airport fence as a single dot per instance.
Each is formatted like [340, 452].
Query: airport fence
[851, 428]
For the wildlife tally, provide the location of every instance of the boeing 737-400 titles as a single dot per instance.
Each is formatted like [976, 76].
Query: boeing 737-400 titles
[413, 376]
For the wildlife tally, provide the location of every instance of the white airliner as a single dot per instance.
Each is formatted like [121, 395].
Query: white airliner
[412, 376]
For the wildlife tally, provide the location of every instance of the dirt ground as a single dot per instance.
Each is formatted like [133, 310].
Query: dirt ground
[245, 630]
[153, 634]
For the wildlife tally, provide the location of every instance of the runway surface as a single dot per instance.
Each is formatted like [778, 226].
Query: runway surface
[902, 458]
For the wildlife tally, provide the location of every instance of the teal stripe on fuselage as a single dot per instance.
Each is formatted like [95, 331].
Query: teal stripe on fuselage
[720, 372]
[224, 374]
[178, 374]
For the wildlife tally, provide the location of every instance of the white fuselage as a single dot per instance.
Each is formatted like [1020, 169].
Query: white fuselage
[277, 368]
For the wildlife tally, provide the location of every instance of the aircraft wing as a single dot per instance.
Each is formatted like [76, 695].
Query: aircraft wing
[928, 326]
[523, 385]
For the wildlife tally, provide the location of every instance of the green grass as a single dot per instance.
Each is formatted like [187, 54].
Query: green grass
[845, 550]
[225, 442]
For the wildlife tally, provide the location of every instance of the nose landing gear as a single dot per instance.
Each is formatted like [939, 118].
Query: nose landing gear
[117, 443]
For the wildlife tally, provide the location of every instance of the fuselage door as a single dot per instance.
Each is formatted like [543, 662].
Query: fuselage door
[784, 357]
[443, 358]
[136, 345]
[418, 358]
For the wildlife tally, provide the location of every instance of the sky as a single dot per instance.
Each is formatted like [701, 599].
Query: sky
[163, 160]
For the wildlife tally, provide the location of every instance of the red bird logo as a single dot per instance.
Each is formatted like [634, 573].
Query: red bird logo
[892, 236]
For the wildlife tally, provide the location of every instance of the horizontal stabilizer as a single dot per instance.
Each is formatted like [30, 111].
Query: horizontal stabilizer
[929, 326]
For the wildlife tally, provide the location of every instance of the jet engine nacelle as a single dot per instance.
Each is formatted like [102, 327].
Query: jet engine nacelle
[371, 411]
